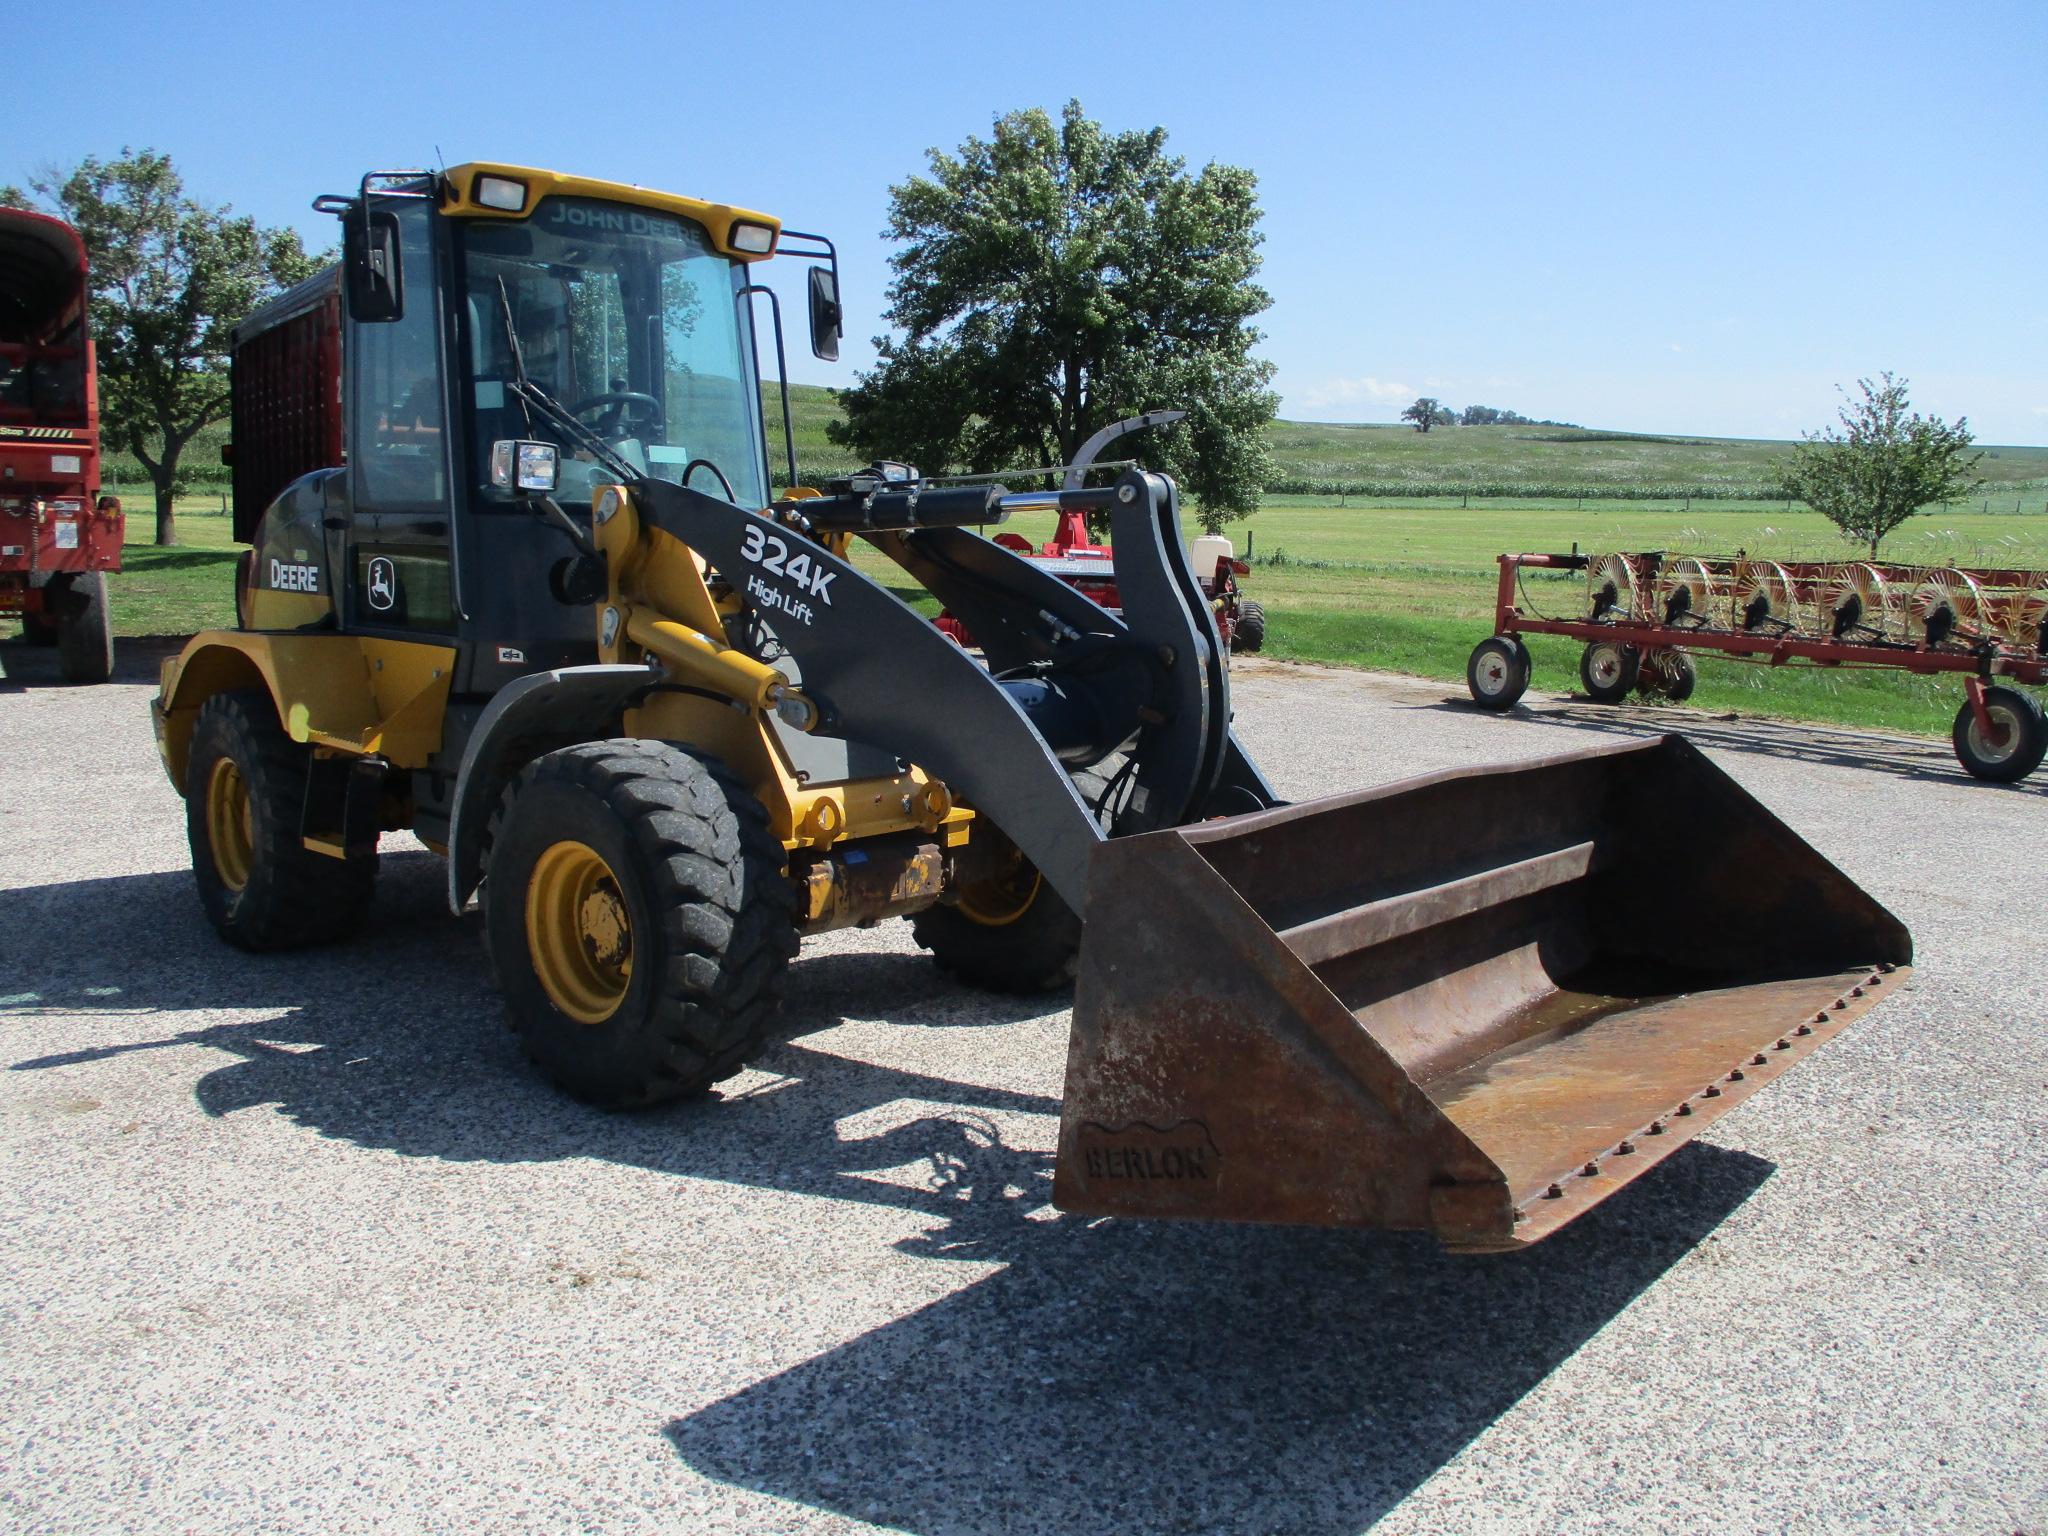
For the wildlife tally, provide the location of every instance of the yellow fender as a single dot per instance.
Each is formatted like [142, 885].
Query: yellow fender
[348, 693]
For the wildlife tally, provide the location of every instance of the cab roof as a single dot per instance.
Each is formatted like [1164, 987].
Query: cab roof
[459, 198]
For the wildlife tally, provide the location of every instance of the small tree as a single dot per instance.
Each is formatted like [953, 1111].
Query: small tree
[1884, 464]
[171, 279]
[1425, 413]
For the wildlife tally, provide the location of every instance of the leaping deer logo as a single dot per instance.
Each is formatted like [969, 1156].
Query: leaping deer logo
[383, 591]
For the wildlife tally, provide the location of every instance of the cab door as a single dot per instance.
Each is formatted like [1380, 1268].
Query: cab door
[400, 565]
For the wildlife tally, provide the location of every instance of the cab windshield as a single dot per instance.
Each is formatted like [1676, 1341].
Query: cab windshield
[631, 322]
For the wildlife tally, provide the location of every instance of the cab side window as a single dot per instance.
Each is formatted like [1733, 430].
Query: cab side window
[401, 440]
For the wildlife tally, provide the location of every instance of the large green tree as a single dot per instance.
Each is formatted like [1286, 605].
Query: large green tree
[1426, 412]
[1884, 464]
[171, 279]
[1055, 278]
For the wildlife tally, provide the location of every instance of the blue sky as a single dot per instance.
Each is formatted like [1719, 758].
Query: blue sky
[1693, 219]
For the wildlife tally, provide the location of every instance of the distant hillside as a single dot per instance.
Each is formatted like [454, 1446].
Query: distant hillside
[1328, 459]
[1374, 460]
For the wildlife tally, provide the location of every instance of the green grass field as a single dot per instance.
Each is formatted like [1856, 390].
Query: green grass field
[1405, 583]
[181, 590]
[1410, 588]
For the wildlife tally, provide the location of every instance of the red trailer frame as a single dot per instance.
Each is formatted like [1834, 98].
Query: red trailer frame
[1633, 642]
[58, 538]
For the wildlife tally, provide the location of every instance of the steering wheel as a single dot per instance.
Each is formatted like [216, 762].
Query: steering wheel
[615, 405]
[696, 464]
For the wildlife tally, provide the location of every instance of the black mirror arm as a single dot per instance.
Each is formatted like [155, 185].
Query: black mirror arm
[551, 513]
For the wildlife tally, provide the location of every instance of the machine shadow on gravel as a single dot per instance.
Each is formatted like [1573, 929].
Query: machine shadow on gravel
[396, 1040]
[1828, 746]
[1184, 1377]
[136, 660]
[1155, 1377]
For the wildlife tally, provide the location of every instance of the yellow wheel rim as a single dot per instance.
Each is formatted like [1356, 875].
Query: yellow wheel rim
[579, 934]
[1001, 899]
[230, 825]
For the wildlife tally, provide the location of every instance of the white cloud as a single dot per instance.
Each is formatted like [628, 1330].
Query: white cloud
[1358, 391]
[1674, 346]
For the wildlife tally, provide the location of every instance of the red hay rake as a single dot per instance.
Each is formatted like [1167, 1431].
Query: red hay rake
[1645, 615]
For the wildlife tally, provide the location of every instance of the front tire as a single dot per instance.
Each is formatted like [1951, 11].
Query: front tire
[639, 920]
[2017, 752]
[1497, 674]
[245, 796]
[1012, 932]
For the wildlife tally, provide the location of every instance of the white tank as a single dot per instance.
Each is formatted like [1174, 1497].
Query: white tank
[1204, 552]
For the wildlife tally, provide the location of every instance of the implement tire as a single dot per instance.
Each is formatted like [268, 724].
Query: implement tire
[245, 796]
[639, 920]
[2017, 752]
[85, 632]
[1607, 670]
[1497, 672]
[1013, 933]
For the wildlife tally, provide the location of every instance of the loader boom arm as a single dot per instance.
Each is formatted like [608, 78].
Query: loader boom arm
[1071, 682]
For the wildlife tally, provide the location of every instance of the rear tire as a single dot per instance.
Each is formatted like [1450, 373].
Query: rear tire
[639, 920]
[2018, 753]
[1607, 671]
[85, 632]
[1498, 672]
[35, 628]
[1013, 933]
[1249, 633]
[245, 796]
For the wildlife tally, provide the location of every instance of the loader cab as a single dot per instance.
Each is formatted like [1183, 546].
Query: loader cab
[491, 303]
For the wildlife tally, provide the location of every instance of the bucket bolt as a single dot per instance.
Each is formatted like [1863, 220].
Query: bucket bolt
[1804, 1029]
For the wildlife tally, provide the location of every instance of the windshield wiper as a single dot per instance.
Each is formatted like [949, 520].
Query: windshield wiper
[532, 397]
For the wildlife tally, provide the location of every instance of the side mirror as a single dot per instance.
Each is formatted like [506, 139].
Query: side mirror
[825, 318]
[371, 267]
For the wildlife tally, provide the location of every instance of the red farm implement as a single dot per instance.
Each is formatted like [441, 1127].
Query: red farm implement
[1073, 556]
[1644, 616]
[1090, 568]
[57, 541]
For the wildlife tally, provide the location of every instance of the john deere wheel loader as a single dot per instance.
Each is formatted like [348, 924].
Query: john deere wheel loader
[518, 584]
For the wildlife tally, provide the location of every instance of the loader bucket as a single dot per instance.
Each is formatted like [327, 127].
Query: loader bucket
[1473, 1004]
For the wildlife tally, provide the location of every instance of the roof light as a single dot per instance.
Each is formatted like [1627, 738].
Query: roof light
[754, 239]
[500, 192]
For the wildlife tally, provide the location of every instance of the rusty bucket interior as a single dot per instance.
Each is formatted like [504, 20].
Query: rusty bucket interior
[1473, 1004]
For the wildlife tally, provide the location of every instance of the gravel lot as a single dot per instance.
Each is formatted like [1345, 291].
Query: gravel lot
[298, 1244]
